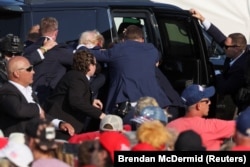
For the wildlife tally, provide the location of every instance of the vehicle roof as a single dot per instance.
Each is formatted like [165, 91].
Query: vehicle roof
[10, 2]
[90, 1]
[84, 3]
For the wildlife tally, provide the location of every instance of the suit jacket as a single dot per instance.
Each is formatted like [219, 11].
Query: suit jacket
[132, 73]
[71, 101]
[49, 71]
[233, 77]
[15, 110]
[34, 57]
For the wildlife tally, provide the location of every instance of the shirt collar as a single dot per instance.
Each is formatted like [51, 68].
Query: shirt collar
[234, 60]
[88, 77]
[17, 85]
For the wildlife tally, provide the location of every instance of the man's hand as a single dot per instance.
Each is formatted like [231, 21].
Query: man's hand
[49, 44]
[64, 126]
[42, 113]
[197, 14]
[97, 103]
[102, 115]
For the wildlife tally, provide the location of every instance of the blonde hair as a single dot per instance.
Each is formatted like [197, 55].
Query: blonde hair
[93, 37]
[48, 24]
[171, 138]
[4, 162]
[60, 154]
[144, 102]
[154, 133]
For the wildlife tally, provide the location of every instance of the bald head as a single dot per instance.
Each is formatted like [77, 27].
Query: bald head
[16, 63]
[17, 70]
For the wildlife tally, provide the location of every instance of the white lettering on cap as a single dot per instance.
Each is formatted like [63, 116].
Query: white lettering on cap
[124, 147]
[201, 88]
[50, 133]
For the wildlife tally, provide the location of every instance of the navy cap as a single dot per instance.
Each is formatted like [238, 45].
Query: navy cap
[243, 122]
[189, 140]
[150, 113]
[43, 131]
[194, 93]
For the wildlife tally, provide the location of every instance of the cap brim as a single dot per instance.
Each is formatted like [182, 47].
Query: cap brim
[209, 92]
[139, 120]
[2, 153]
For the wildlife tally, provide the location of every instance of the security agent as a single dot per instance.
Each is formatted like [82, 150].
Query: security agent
[10, 45]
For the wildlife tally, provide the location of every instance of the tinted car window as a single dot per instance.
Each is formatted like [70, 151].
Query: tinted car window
[180, 41]
[216, 53]
[181, 63]
[70, 29]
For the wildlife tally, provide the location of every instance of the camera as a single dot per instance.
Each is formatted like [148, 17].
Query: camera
[11, 44]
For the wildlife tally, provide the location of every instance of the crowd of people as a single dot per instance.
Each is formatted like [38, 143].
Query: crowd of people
[67, 106]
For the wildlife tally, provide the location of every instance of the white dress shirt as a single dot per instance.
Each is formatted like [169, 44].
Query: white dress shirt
[27, 93]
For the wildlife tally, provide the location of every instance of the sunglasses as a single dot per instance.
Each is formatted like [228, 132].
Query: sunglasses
[230, 46]
[205, 101]
[29, 69]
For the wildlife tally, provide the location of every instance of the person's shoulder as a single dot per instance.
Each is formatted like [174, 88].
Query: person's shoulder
[174, 122]
[74, 74]
[7, 87]
[49, 162]
[185, 119]
[246, 54]
[63, 46]
[149, 46]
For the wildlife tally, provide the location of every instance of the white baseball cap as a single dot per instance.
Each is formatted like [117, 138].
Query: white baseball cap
[113, 120]
[17, 153]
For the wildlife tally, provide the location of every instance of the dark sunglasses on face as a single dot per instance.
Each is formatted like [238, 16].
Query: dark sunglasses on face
[230, 46]
[206, 101]
[29, 69]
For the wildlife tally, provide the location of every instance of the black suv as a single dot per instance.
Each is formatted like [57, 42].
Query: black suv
[176, 34]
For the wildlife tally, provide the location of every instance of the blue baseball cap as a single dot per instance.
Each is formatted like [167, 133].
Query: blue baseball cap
[150, 113]
[194, 93]
[243, 122]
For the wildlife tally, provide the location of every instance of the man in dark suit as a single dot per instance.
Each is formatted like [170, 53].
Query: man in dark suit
[232, 79]
[132, 65]
[57, 62]
[71, 100]
[10, 46]
[18, 102]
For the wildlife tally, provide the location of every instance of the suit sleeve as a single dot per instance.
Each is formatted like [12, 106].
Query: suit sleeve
[34, 57]
[100, 55]
[32, 54]
[16, 107]
[65, 53]
[218, 36]
[79, 98]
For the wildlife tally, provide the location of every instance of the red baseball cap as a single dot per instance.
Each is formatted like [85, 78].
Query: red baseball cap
[114, 141]
[3, 142]
[143, 147]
